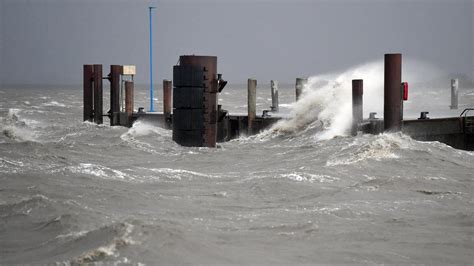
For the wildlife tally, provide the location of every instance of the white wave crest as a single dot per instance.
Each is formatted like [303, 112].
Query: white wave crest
[16, 128]
[54, 103]
[18, 133]
[179, 174]
[381, 147]
[311, 178]
[99, 171]
[326, 100]
[109, 250]
[140, 129]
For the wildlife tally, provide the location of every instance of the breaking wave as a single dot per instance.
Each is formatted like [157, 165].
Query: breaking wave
[325, 103]
[384, 146]
[15, 128]
[118, 235]
[140, 134]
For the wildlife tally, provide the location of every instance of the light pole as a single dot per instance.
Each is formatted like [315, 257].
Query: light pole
[151, 61]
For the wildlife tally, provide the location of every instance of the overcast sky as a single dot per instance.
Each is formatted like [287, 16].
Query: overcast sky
[48, 41]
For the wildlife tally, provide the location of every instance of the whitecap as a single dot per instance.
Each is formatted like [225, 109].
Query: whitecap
[178, 174]
[307, 177]
[54, 103]
[380, 147]
[99, 171]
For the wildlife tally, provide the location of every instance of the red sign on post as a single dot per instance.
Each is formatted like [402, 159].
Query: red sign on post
[405, 90]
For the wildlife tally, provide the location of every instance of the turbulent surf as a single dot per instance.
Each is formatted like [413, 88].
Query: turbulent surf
[300, 192]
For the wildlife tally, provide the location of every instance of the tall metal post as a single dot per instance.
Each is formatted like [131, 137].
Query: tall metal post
[88, 97]
[251, 104]
[129, 101]
[274, 89]
[392, 93]
[98, 112]
[454, 93]
[357, 104]
[167, 90]
[115, 72]
[152, 109]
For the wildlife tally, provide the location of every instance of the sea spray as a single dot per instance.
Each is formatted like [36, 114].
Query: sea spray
[326, 102]
[15, 128]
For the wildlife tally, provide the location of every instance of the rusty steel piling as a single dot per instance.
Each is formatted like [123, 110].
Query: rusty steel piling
[392, 93]
[357, 104]
[129, 101]
[251, 104]
[115, 72]
[88, 96]
[167, 92]
[97, 77]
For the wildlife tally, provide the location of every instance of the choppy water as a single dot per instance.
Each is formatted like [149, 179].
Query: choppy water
[78, 192]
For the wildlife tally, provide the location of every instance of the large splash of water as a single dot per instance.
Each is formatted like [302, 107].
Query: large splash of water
[326, 102]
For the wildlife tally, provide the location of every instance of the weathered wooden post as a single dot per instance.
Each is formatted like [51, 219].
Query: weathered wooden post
[251, 104]
[454, 93]
[129, 101]
[357, 104]
[300, 83]
[97, 76]
[115, 72]
[167, 92]
[88, 97]
[392, 93]
[274, 89]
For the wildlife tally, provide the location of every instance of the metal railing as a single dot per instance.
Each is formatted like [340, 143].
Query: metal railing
[466, 111]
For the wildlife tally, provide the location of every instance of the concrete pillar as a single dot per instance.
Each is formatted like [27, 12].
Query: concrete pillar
[88, 97]
[392, 93]
[251, 104]
[357, 104]
[129, 101]
[300, 82]
[274, 88]
[98, 112]
[454, 93]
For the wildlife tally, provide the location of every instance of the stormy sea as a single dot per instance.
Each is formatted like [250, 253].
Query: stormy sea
[301, 192]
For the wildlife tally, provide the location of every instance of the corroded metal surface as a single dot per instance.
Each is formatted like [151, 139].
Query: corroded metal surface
[251, 104]
[195, 92]
[392, 92]
[357, 103]
[114, 78]
[129, 99]
[167, 91]
[98, 94]
[88, 99]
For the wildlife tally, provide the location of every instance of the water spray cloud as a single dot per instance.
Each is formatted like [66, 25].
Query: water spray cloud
[326, 100]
